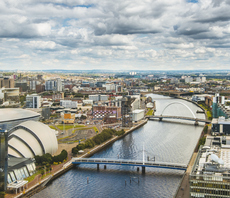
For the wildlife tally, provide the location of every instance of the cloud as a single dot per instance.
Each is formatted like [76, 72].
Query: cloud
[90, 33]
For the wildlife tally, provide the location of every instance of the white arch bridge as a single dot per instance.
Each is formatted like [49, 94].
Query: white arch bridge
[193, 118]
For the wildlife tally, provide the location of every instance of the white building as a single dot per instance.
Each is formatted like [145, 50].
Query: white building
[109, 87]
[97, 98]
[94, 98]
[188, 79]
[88, 102]
[33, 101]
[136, 103]
[68, 103]
[58, 84]
[138, 114]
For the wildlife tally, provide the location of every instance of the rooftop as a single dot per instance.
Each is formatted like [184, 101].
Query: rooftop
[9, 114]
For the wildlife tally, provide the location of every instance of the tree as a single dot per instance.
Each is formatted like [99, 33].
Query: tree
[74, 150]
[83, 117]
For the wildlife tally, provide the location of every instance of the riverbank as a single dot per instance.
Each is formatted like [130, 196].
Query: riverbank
[38, 184]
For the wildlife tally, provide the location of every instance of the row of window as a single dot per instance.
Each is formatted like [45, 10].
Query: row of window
[211, 185]
[194, 195]
[20, 174]
[210, 191]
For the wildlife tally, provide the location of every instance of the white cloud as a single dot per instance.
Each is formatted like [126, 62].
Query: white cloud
[42, 44]
[150, 33]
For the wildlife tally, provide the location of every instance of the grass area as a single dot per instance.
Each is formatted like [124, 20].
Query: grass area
[52, 127]
[31, 178]
[82, 128]
[68, 126]
[150, 112]
[209, 112]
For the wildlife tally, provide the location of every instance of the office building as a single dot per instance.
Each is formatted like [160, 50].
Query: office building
[33, 101]
[210, 177]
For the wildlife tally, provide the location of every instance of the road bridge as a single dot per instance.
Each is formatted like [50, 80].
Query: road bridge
[193, 118]
[125, 162]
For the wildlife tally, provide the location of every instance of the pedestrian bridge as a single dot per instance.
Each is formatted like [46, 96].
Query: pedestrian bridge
[160, 117]
[125, 162]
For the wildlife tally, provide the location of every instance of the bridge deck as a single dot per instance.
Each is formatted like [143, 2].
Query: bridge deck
[179, 117]
[129, 163]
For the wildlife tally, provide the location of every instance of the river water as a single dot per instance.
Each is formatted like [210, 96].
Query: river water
[166, 141]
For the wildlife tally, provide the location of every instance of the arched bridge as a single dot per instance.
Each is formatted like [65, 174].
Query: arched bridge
[193, 118]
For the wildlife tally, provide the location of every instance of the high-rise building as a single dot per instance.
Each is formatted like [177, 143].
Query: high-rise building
[6, 82]
[53, 85]
[58, 84]
[50, 85]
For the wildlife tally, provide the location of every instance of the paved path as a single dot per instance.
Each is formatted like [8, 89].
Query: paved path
[183, 191]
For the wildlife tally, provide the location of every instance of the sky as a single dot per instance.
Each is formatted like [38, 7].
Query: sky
[114, 34]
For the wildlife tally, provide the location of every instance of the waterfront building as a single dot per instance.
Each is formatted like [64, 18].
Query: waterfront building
[3, 159]
[138, 114]
[10, 117]
[31, 138]
[26, 138]
[210, 175]
[136, 102]
[18, 169]
[221, 126]
[218, 107]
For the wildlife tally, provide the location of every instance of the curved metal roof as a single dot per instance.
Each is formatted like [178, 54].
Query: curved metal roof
[14, 114]
[36, 138]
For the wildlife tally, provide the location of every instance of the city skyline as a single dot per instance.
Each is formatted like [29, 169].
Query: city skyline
[121, 35]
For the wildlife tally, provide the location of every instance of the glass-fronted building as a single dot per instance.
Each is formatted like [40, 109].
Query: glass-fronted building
[20, 168]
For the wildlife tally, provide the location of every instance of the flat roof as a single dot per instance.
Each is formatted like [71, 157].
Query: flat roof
[138, 110]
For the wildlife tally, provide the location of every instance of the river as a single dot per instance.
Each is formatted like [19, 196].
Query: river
[166, 141]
